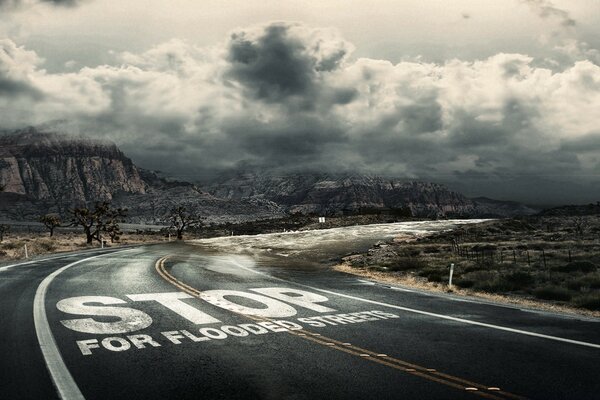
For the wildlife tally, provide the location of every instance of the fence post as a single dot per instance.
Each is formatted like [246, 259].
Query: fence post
[451, 273]
[26, 253]
[544, 257]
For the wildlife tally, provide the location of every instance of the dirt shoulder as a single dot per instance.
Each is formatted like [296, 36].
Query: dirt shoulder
[544, 263]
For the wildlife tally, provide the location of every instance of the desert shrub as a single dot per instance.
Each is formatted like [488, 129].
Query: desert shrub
[433, 274]
[591, 281]
[405, 263]
[591, 301]
[46, 245]
[493, 285]
[552, 293]
[519, 279]
[464, 283]
[473, 268]
[11, 245]
[487, 281]
[578, 266]
[432, 249]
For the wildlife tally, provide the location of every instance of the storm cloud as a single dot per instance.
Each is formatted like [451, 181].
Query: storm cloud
[288, 97]
[16, 4]
[546, 9]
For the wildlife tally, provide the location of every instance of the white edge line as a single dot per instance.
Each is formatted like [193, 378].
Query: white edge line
[61, 377]
[7, 267]
[70, 254]
[430, 314]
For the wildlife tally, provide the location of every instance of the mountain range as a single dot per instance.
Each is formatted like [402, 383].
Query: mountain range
[43, 171]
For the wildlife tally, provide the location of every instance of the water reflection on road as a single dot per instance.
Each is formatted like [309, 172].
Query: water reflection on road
[318, 248]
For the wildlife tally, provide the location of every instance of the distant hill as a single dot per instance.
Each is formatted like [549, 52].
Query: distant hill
[44, 171]
[572, 210]
[333, 194]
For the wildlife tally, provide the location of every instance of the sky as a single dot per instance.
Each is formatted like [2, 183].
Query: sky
[493, 98]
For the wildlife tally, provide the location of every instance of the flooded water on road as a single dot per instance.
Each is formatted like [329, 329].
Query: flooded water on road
[316, 249]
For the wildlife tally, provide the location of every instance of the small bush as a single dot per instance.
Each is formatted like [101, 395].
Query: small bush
[493, 285]
[519, 279]
[433, 275]
[46, 245]
[404, 264]
[590, 301]
[464, 283]
[552, 293]
[473, 268]
[588, 281]
[578, 266]
[11, 245]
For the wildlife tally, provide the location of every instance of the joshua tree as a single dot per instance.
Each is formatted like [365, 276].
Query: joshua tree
[111, 226]
[51, 221]
[182, 220]
[96, 221]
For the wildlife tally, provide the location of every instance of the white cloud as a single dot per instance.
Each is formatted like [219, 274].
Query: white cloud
[289, 96]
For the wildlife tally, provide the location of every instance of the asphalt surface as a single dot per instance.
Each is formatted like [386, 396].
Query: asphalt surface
[388, 343]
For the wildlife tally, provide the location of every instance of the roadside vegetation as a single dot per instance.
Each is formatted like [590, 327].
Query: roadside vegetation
[555, 260]
[83, 228]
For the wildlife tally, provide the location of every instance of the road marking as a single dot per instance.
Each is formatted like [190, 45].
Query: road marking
[430, 314]
[429, 374]
[7, 267]
[74, 254]
[61, 377]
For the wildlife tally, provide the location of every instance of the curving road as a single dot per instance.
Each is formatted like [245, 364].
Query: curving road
[183, 321]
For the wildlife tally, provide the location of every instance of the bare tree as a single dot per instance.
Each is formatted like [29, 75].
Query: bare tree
[181, 220]
[51, 221]
[95, 221]
[60, 191]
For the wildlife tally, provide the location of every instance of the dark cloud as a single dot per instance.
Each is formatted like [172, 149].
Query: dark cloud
[286, 97]
[277, 61]
[274, 65]
[16, 4]
[545, 9]
[11, 89]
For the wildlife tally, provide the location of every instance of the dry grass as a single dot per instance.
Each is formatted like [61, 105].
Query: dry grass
[423, 284]
[541, 259]
[13, 245]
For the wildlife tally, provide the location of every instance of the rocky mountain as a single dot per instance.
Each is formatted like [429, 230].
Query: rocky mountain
[329, 194]
[61, 168]
[43, 171]
[572, 210]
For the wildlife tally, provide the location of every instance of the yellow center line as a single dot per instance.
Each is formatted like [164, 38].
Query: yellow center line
[407, 367]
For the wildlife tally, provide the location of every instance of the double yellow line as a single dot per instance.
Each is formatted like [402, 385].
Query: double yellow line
[488, 392]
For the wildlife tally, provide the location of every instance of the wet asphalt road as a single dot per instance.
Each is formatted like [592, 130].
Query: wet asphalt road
[221, 336]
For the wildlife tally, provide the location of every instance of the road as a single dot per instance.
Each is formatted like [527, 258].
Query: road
[183, 321]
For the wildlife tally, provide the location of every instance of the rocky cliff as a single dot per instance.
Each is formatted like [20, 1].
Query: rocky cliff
[59, 168]
[331, 194]
[43, 172]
